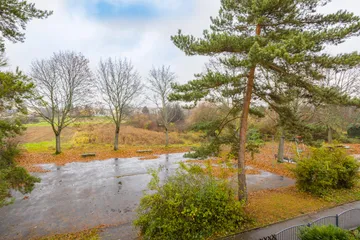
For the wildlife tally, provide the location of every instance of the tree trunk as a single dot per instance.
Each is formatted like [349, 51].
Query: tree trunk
[280, 154]
[166, 120]
[58, 147]
[116, 141]
[166, 137]
[242, 191]
[330, 138]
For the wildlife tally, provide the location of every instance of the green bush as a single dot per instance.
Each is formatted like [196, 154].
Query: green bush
[318, 132]
[189, 205]
[253, 142]
[346, 139]
[354, 131]
[325, 233]
[326, 169]
[356, 233]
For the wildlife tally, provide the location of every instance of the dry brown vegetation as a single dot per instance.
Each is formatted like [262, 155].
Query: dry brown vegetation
[222, 169]
[354, 148]
[86, 234]
[103, 133]
[37, 147]
[264, 160]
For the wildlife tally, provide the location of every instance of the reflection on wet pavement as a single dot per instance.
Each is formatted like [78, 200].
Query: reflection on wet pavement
[77, 196]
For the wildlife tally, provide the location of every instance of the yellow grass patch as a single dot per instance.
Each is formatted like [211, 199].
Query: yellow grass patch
[270, 206]
[103, 133]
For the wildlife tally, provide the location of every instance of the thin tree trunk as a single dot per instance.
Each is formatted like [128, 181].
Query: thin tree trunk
[242, 191]
[58, 146]
[166, 137]
[281, 146]
[330, 137]
[116, 141]
[166, 121]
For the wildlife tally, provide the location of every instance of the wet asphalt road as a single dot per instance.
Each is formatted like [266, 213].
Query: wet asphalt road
[77, 196]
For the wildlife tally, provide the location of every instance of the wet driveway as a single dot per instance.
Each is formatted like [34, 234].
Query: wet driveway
[76, 196]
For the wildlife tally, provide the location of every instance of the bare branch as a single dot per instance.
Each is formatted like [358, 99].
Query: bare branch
[62, 82]
[120, 85]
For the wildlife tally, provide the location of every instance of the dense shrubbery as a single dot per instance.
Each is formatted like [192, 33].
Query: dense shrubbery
[144, 121]
[354, 131]
[326, 169]
[320, 133]
[325, 233]
[189, 205]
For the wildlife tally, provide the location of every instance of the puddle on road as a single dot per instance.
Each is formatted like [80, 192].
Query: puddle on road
[84, 195]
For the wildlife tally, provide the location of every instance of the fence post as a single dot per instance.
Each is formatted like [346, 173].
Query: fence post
[337, 220]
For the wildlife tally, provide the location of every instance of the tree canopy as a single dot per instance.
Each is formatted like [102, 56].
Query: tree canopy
[15, 89]
[14, 15]
[275, 47]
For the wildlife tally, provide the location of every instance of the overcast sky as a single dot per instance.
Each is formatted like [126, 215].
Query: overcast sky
[137, 29]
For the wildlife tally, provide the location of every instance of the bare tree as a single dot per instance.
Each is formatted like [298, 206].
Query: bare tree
[346, 81]
[120, 85]
[160, 80]
[62, 83]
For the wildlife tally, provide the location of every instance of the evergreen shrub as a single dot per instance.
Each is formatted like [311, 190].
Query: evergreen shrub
[327, 168]
[189, 205]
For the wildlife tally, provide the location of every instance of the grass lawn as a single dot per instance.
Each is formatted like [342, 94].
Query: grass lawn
[271, 206]
[80, 121]
[43, 146]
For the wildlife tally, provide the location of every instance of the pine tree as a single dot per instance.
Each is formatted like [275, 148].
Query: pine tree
[284, 39]
[15, 88]
[14, 15]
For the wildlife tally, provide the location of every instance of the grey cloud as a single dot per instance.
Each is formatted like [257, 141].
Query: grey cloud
[146, 43]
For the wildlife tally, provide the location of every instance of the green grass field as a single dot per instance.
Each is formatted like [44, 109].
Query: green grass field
[79, 122]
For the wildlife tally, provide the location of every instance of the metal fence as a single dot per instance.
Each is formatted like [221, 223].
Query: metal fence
[348, 220]
[272, 237]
